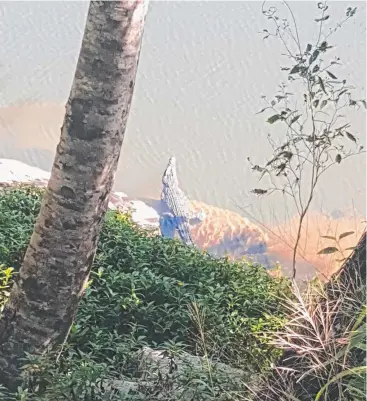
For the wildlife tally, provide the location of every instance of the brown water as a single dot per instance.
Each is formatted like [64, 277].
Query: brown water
[203, 68]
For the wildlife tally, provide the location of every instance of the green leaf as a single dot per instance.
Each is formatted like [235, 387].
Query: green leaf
[342, 92]
[323, 18]
[359, 370]
[338, 158]
[274, 118]
[358, 337]
[323, 104]
[331, 75]
[345, 234]
[327, 251]
[315, 69]
[328, 237]
[314, 56]
[323, 47]
[286, 154]
[294, 119]
[350, 12]
[295, 69]
[316, 103]
[322, 85]
[360, 319]
[351, 137]
[259, 191]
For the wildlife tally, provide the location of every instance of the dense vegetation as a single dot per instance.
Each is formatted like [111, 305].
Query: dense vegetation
[148, 291]
[325, 343]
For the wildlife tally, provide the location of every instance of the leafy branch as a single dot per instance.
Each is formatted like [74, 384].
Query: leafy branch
[337, 248]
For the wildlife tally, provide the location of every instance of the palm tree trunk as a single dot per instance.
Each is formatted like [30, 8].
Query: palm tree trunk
[57, 263]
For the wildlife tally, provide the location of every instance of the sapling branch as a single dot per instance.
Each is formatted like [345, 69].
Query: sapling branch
[312, 143]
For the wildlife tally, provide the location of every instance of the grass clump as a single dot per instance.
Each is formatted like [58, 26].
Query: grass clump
[146, 291]
[324, 342]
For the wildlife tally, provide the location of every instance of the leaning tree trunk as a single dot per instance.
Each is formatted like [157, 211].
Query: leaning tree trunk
[57, 263]
[354, 268]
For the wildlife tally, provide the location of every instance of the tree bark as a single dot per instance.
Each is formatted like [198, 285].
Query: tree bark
[44, 301]
[354, 268]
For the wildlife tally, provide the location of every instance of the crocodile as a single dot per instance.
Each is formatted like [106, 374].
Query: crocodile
[176, 216]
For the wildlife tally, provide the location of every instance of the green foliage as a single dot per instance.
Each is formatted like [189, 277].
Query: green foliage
[18, 210]
[338, 247]
[147, 283]
[6, 276]
[141, 292]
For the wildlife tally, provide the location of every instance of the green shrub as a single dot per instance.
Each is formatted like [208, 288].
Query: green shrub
[141, 290]
[6, 279]
[18, 209]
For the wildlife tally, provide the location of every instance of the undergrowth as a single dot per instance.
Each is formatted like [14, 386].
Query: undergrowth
[146, 291]
[224, 330]
[325, 345]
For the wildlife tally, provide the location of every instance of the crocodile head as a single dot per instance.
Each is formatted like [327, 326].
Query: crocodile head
[170, 175]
